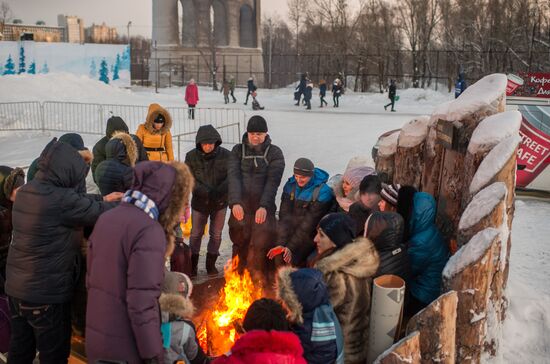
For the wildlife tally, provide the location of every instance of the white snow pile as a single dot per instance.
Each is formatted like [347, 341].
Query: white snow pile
[470, 253]
[493, 129]
[483, 94]
[494, 162]
[482, 204]
[388, 351]
[414, 132]
[387, 145]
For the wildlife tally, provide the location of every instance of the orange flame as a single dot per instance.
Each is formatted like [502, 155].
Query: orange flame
[218, 332]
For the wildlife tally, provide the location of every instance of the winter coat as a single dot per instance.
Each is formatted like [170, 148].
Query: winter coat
[210, 172]
[226, 87]
[337, 88]
[305, 295]
[255, 174]
[348, 273]
[192, 94]
[359, 213]
[43, 259]
[392, 91]
[5, 224]
[116, 173]
[179, 338]
[299, 214]
[385, 230]
[323, 89]
[157, 143]
[460, 85]
[265, 347]
[126, 255]
[232, 84]
[427, 250]
[250, 85]
[307, 93]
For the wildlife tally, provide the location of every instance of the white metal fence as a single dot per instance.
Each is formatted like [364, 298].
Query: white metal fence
[87, 118]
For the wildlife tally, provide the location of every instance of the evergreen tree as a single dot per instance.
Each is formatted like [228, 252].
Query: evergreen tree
[9, 68]
[32, 68]
[93, 70]
[21, 60]
[116, 68]
[125, 62]
[104, 72]
[45, 68]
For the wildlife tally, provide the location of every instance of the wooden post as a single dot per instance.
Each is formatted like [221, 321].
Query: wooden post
[385, 158]
[433, 157]
[437, 326]
[469, 273]
[405, 351]
[409, 157]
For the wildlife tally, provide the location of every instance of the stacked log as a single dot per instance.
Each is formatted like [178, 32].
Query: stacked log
[405, 351]
[385, 159]
[409, 157]
[433, 157]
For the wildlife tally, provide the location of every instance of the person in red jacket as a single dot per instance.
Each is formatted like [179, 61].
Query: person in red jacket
[192, 97]
[267, 339]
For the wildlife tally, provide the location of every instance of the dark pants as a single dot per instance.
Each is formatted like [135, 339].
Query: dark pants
[191, 111]
[308, 103]
[199, 219]
[392, 103]
[180, 260]
[226, 98]
[335, 99]
[39, 327]
[233, 96]
[248, 93]
[323, 101]
[251, 242]
[5, 328]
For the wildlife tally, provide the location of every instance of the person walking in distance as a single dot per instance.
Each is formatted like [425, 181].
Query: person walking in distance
[392, 91]
[251, 87]
[323, 92]
[192, 98]
[232, 88]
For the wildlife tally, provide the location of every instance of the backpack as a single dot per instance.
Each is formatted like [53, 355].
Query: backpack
[264, 157]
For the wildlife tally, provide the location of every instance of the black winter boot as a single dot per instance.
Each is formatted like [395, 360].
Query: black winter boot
[211, 264]
[194, 264]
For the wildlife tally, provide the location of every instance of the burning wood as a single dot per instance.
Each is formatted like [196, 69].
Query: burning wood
[221, 325]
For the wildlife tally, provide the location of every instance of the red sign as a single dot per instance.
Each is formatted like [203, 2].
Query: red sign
[533, 153]
[534, 85]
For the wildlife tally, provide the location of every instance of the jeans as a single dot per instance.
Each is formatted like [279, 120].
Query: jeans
[191, 112]
[335, 99]
[248, 93]
[323, 101]
[199, 219]
[42, 327]
[392, 103]
[233, 96]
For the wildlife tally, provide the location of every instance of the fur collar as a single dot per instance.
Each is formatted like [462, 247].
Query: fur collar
[359, 259]
[86, 155]
[130, 145]
[176, 305]
[152, 113]
[285, 293]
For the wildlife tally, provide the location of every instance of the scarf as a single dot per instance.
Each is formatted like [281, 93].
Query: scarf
[143, 202]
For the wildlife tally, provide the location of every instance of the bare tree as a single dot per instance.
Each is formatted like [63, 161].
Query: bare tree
[5, 12]
[296, 14]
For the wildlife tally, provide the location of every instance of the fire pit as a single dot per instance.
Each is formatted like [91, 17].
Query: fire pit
[220, 325]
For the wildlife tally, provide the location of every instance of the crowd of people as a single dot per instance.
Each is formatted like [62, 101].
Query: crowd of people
[305, 89]
[118, 255]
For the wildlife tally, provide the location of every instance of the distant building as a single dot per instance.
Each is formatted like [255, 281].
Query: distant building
[74, 28]
[101, 34]
[41, 33]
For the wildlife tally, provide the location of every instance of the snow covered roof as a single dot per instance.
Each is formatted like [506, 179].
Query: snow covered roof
[482, 204]
[470, 252]
[494, 162]
[414, 132]
[483, 93]
[388, 145]
[493, 129]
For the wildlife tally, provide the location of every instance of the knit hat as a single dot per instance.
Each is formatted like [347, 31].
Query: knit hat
[256, 124]
[354, 176]
[177, 283]
[304, 167]
[74, 140]
[370, 184]
[390, 192]
[339, 227]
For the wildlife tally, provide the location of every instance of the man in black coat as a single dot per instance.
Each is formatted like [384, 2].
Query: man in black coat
[43, 259]
[114, 124]
[208, 163]
[255, 170]
[251, 87]
[392, 92]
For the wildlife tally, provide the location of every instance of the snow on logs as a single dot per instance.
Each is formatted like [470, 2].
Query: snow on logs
[385, 159]
[409, 157]
[405, 351]
[437, 326]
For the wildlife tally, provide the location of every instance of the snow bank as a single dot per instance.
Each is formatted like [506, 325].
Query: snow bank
[482, 94]
[388, 145]
[414, 132]
[494, 162]
[470, 252]
[482, 204]
[493, 129]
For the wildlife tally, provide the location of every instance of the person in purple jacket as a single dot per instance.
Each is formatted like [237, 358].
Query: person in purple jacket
[126, 256]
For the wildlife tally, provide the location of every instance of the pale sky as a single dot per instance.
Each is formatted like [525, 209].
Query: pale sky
[113, 12]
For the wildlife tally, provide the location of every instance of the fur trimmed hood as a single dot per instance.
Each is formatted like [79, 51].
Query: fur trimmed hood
[359, 259]
[176, 305]
[152, 113]
[285, 293]
[131, 154]
[86, 155]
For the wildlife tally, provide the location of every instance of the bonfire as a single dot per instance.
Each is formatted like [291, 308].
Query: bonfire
[221, 325]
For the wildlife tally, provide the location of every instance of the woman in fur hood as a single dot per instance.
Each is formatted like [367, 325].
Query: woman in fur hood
[155, 134]
[348, 267]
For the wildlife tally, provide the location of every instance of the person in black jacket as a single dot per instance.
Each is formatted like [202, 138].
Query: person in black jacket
[116, 172]
[255, 170]
[114, 124]
[385, 230]
[369, 196]
[300, 89]
[391, 95]
[208, 163]
[251, 87]
[337, 89]
[308, 94]
[43, 259]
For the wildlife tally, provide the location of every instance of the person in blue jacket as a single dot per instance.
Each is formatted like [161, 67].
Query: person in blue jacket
[305, 200]
[310, 314]
[323, 92]
[460, 85]
[308, 94]
[428, 252]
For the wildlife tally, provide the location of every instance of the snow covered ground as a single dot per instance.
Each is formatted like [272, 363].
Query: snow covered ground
[330, 137]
